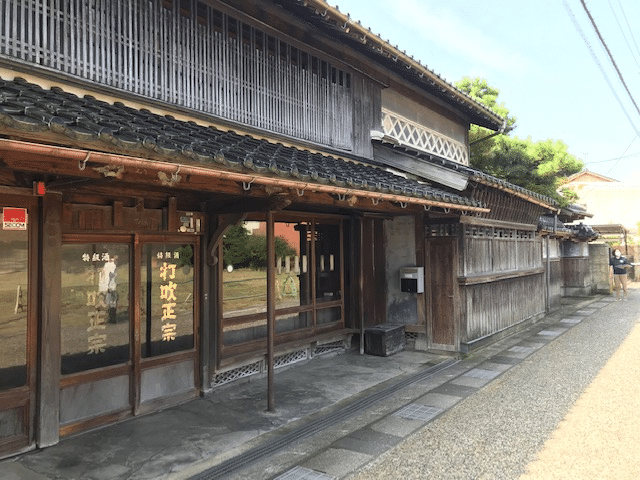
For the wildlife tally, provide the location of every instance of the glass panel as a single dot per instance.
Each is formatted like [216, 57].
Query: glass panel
[244, 279]
[245, 333]
[95, 306]
[293, 276]
[293, 321]
[166, 301]
[14, 249]
[327, 248]
[328, 315]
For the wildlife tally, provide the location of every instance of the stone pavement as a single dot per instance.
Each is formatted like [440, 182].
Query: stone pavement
[567, 411]
[335, 417]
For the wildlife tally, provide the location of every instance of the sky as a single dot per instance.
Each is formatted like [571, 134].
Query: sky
[544, 56]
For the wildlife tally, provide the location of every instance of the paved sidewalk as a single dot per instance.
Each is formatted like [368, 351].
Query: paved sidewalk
[359, 407]
[567, 411]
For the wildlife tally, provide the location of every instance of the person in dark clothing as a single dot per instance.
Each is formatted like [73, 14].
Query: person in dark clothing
[619, 266]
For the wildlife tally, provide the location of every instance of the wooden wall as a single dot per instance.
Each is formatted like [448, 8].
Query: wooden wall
[367, 114]
[501, 278]
[553, 267]
[495, 306]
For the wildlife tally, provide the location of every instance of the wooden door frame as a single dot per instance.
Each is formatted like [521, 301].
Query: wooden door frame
[374, 276]
[26, 397]
[136, 364]
[431, 290]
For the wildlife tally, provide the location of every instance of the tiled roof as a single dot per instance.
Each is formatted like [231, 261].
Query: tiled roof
[476, 175]
[549, 224]
[98, 125]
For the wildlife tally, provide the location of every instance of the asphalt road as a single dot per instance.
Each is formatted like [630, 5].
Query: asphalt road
[571, 410]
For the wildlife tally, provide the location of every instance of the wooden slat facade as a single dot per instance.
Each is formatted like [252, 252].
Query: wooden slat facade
[500, 277]
[189, 54]
[553, 266]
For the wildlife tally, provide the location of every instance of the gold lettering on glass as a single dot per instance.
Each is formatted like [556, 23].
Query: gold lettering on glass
[168, 293]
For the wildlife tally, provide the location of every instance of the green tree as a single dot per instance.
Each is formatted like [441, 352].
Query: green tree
[258, 250]
[235, 249]
[541, 167]
[243, 250]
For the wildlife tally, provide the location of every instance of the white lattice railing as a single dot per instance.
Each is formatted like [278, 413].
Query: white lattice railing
[418, 136]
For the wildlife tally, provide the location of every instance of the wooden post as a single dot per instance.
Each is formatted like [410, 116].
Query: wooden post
[49, 378]
[361, 284]
[271, 278]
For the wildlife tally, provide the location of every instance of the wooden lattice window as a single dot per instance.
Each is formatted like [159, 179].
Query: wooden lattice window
[186, 53]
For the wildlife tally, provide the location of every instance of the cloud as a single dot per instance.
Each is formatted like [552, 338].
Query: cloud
[450, 33]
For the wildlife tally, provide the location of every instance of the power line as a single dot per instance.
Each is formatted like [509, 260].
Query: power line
[615, 164]
[595, 59]
[614, 159]
[622, 31]
[628, 26]
[613, 62]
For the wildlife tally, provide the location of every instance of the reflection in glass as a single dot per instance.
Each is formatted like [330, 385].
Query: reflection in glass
[94, 306]
[166, 302]
[307, 271]
[246, 332]
[244, 279]
[328, 315]
[13, 308]
[293, 321]
[293, 279]
[327, 248]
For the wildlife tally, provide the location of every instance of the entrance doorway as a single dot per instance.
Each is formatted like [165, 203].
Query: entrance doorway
[18, 322]
[129, 323]
[442, 302]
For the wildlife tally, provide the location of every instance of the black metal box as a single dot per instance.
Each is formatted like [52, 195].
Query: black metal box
[384, 340]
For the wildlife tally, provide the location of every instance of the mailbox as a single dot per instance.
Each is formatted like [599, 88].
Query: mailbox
[412, 279]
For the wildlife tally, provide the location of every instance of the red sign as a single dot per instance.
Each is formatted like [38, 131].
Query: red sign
[14, 218]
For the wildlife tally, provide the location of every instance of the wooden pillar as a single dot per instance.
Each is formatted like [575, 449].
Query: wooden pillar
[361, 284]
[271, 298]
[49, 366]
[209, 302]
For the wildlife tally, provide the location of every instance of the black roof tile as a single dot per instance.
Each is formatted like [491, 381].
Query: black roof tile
[476, 174]
[102, 126]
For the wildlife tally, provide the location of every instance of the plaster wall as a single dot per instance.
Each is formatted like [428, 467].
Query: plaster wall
[610, 203]
[599, 263]
[415, 112]
[401, 252]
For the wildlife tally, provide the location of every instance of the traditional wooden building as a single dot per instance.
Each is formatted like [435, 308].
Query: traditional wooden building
[144, 147]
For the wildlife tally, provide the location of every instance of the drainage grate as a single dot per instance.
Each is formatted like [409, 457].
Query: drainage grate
[236, 373]
[329, 347]
[413, 411]
[290, 358]
[482, 374]
[262, 451]
[411, 336]
[301, 473]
